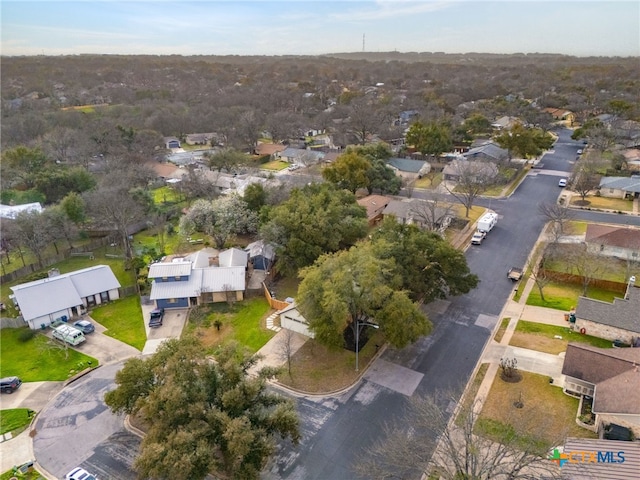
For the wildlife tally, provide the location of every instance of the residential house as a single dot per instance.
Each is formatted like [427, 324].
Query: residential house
[505, 122]
[375, 205]
[618, 320]
[613, 241]
[261, 255]
[200, 138]
[600, 459]
[620, 187]
[331, 156]
[163, 170]
[12, 211]
[64, 296]
[478, 170]
[423, 213]
[409, 169]
[632, 157]
[488, 151]
[561, 114]
[610, 379]
[299, 156]
[171, 142]
[271, 149]
[207, 276]
[292, 319]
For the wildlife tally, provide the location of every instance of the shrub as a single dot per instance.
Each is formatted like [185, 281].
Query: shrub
[26, 335]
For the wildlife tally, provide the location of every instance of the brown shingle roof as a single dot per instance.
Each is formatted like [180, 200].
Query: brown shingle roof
[374, 204]
[162, 169]
[269, 148]
[595, 365]
[613, 236]
[620, 394]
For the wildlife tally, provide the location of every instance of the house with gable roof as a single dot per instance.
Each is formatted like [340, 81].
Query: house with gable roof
[611, 377]
[618, 320]
[488, 151]
[375, 205]
[613, 241]
[206, 276]
[408, 168]
[64, 296]
[620, 187]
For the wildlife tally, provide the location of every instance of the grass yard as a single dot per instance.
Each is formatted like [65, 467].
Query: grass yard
[173, 243]
[541, 337]
[617, 204]
[548, 415]
[564, 296]
[243, 322]
[32, 475]
[276, 165]
[166, 194]
[39, 358]
[316, 368]
[424, 182]
[577, 228]
[123, 321]
[502, 329]
[15, 418]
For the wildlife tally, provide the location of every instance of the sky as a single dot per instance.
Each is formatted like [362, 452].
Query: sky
[312, 27]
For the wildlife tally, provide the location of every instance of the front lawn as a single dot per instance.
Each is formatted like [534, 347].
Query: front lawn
[547, 415]
[32, 475]
[274, 165]
[15, 418]
[39, 358]
[605, 203]
[123, 321]
[542, 337]
[244, 322]
[564, 296]
[317, 369]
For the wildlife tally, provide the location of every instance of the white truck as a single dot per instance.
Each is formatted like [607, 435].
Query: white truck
[487, 222]
[68, 334]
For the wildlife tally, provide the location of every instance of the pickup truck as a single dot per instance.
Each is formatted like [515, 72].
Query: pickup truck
[514, 274]
[478, 237]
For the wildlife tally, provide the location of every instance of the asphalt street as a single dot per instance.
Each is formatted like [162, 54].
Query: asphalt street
[77, 429]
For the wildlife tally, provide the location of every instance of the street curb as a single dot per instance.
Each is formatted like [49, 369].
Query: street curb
[79, 375]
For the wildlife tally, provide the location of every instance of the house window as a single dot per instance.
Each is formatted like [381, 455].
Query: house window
[91, 301]
[104, 297]
[601, 248]
[634, 254]
[164, 279]
[177, 278]
[172, 300]
[611, 190]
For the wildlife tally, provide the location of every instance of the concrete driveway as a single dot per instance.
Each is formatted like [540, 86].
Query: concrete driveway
[172, 325]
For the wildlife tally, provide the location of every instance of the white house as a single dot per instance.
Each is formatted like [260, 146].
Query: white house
[292, 319]
[64, 296]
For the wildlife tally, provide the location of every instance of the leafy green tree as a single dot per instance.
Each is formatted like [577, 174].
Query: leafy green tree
[382, 178]
[430, 268]
[431, 138]
[202, 416]
[314, 220]
[344, 289]
[74, 207]
[524, 142]
[20, 166]
[477, 123]
[221, 218]
[227, 160]
[349, 171]
[255, 196]
[54, 183]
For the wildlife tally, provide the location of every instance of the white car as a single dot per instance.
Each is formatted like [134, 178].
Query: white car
[579, 152]
[478, 237]
[79, 474]
[562, 182]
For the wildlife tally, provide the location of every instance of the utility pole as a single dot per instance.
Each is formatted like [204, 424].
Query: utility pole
[363, 43]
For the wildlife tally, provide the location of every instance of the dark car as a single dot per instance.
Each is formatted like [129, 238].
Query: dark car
[155, 319]
[85, 326]
[10, 384]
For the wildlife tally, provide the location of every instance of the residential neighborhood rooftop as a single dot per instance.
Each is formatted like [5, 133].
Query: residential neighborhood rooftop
[621, 313]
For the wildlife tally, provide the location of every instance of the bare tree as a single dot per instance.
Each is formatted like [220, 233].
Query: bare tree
[558, 216]
[539, 274]
[285, 347]
[586, 177]
[473, 179]
[586, 264]
[33, 232]
[428, 441]
[434, 213]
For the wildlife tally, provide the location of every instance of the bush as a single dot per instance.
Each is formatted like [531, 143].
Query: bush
[27, 334]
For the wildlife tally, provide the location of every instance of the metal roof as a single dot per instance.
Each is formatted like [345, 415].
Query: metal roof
[48, 295]
[182, 289]
[260, 248]
[234, 257]
[406, 164]
[169, 269]
[583, 465]
[220, 279]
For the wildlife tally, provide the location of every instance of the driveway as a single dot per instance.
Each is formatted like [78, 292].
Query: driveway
[106, 349]
[172, 325]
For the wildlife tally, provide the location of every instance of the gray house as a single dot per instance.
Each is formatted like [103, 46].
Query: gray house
[64, 296]
[613, 241]
[488, 152]
[620, 187]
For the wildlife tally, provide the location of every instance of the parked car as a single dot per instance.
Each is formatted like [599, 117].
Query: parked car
[478, 237]
[85, 326]
[10, 384]
[562, 182]
[79, 474]
[579, 152]
[155, 319]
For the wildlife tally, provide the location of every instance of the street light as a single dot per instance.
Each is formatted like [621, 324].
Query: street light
[364, 324]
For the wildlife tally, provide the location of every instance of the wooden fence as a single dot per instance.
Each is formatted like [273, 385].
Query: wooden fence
[609, 285]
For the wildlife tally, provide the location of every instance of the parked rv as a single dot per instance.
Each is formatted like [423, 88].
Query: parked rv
[69, 334]
[487, 222]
